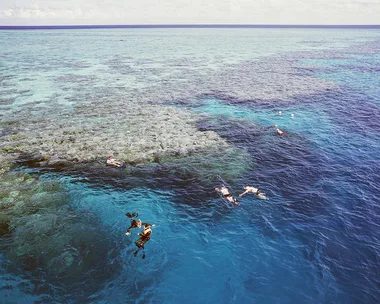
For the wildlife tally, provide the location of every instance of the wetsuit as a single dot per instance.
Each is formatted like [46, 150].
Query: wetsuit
[144, 236]
[133, 225]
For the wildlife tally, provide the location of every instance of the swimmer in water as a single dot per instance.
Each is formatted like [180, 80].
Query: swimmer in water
[225, 192]
[253, 190]
[112, 162]
[134, 223]
[144, 237]
[278, 131]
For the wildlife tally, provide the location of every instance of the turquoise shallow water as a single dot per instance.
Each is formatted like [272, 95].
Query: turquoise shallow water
[315, 240]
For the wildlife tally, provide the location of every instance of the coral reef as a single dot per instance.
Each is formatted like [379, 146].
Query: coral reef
[48, 239]
[133, 134]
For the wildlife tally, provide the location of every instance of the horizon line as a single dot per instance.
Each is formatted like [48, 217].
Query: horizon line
[142, 26]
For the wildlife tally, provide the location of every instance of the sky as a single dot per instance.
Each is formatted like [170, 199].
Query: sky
[99, 12]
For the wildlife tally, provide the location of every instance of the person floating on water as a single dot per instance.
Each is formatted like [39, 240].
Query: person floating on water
[112, 162]
[144, 235]
[253, 190]
[134, 223]
[225, 192]
[278, 131]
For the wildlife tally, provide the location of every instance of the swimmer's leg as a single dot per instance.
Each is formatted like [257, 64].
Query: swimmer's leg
[140, 246]
[138, 243]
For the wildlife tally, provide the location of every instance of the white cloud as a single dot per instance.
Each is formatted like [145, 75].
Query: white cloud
[35, 12]
[193, 11]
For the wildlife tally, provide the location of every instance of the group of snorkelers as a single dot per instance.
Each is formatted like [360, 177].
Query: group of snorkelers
[278, 131]
[144, 234]
[223, 190]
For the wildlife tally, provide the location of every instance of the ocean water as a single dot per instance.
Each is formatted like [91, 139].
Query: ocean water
[315, 240]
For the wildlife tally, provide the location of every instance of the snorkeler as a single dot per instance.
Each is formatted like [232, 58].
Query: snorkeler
[224, 191]
[278, 131]
[253, 190]
[144, 237]
[134, 223]
[112, 162]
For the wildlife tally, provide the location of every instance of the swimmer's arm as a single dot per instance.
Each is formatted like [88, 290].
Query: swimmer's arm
[147, 225]
[129, 230]
[245, 192]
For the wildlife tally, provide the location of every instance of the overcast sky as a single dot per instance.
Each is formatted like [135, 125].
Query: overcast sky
[75, 12]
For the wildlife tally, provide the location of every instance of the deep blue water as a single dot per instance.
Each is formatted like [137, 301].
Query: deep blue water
[316, 240]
